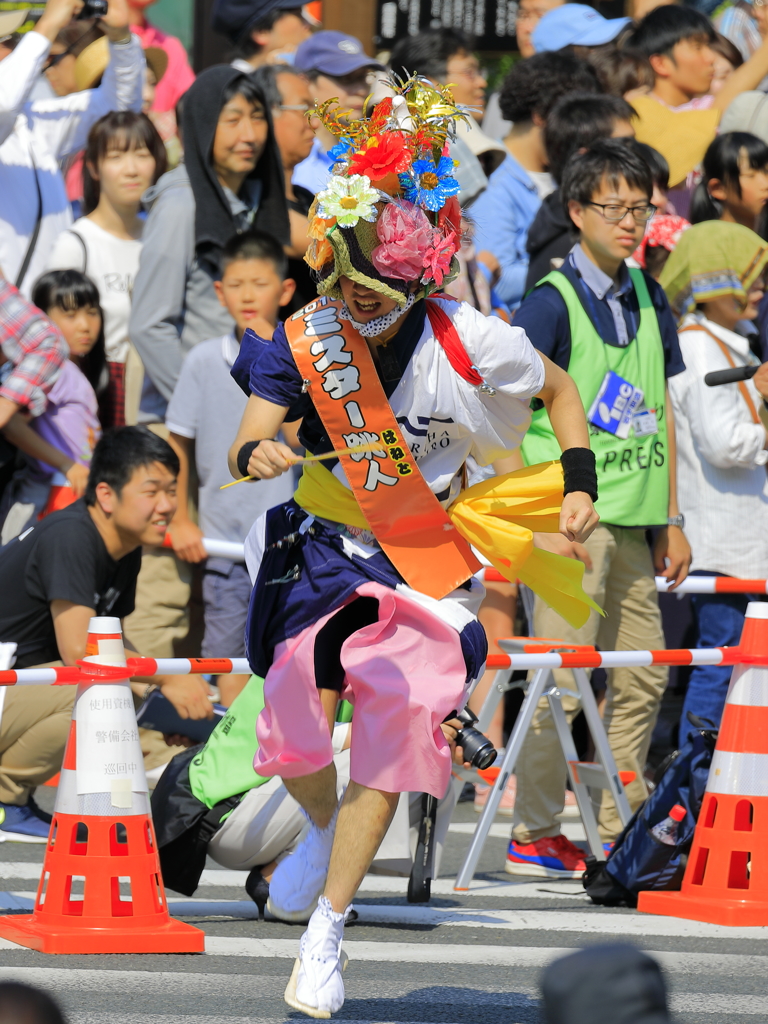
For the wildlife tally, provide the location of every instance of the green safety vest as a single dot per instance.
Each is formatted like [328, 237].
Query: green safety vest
[632, 475]
[224, 767]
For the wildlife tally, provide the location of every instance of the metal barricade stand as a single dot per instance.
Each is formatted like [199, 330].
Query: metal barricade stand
[542, 656]
[583, 775]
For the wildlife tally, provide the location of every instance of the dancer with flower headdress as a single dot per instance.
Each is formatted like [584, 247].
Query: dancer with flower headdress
[364, 583]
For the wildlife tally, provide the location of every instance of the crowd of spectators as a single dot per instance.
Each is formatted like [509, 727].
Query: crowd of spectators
[614, 185]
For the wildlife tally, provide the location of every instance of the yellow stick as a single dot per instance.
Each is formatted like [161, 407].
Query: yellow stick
[318, 458]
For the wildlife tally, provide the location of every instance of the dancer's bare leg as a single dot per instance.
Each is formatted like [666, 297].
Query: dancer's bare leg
[364, 817]
[316, 793]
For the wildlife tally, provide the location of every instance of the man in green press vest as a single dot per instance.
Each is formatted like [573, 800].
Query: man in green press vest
[611, 328]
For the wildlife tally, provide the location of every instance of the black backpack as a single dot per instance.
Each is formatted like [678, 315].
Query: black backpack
[638, 859]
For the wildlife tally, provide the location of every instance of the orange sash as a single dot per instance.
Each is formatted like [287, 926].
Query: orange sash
[404, 515]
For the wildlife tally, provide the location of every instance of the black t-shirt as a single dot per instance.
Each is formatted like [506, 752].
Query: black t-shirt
[62, 558]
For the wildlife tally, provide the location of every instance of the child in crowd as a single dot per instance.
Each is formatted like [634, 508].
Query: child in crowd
[59, 442]
[734, 184]
[680, 116]
[203, 416]
[610, 328]
[124, 156]
[715, 280]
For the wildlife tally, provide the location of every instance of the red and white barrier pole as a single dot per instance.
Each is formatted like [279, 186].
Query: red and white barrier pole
[691, 585]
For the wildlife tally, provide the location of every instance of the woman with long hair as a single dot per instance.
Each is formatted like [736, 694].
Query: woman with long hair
[124, 156]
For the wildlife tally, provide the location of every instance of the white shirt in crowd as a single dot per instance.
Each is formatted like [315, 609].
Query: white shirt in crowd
[36, 135]
[112, 264]
[722, 486]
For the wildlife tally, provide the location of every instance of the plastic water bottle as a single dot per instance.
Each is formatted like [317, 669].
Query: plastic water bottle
[666, 831]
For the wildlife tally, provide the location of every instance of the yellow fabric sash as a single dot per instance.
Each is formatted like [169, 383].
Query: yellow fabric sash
[499, 517]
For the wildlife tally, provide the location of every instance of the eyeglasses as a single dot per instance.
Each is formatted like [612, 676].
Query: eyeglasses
[472, 73]
[616, 214]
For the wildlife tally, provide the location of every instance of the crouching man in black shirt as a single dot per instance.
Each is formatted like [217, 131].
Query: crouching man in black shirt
[76, 563]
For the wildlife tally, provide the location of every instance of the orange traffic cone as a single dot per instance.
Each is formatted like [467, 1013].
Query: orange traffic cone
[726, 880]
[101, 833]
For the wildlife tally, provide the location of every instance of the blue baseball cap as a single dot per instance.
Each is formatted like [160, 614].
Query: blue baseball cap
[334, 54]
[575, 25]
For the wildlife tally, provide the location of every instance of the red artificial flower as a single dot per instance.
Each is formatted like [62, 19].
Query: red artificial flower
[383, 155]
[437, 258]
[449, 219]
[381, 116]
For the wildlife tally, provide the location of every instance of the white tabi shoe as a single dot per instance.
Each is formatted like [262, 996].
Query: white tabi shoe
[299, 878]
[315, 986]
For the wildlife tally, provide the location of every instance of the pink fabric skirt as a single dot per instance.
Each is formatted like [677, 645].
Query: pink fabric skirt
[404, 674]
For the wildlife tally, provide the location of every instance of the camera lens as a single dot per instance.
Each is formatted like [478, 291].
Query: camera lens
[478, 749]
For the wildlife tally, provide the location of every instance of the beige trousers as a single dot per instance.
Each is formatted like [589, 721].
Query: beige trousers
[33, 734]
[621, 582]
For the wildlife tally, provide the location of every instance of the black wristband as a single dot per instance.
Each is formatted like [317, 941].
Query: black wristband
[579, 472]
[244, 456]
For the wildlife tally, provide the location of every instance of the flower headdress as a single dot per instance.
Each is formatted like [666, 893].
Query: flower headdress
[389, 215]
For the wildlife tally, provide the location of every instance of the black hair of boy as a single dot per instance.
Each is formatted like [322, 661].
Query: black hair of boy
[534, 86]
[664, 27]
[727, 156]
[119, 453]
[607, 160]
[255, 245]
[428, 52]
[577, 121]
[657, 163]
[71, 290]
[247, 46]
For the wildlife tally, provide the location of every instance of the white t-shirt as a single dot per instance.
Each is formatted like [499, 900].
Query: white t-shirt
[112, 264]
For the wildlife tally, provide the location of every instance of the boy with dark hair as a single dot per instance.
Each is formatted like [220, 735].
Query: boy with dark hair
[203, 416]
[76, 563]
[677, 41]
[446, 57]
[505, 211]
[612, 330]
[575, 121]
[260, 29]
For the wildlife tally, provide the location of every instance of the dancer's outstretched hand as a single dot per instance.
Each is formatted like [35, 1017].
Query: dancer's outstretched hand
[577, 516]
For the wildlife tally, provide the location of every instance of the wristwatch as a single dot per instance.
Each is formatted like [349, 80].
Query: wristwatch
[678, 520]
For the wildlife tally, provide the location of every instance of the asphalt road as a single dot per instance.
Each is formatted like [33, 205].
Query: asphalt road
[460, 960]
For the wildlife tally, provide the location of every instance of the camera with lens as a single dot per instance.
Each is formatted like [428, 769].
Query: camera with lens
[93, 9]
[478, 749]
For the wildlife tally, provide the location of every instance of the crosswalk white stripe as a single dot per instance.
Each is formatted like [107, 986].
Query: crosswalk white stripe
[596, 922]
[732, 965]
[396, 885]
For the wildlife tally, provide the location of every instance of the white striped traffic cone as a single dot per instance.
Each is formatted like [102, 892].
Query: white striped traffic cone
[726, 879]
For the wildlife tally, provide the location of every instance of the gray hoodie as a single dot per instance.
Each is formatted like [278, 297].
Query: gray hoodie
[174, 304]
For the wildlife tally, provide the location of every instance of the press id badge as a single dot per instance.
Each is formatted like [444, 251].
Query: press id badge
[615, 406]
[645, 422]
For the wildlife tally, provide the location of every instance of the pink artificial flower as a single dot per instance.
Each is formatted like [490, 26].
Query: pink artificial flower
[438, 256]
[405, 235]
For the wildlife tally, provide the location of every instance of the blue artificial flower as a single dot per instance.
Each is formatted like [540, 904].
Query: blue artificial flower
[340, 151]
[430, 186]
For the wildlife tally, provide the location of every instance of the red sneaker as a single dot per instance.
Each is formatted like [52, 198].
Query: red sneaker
[551, 857]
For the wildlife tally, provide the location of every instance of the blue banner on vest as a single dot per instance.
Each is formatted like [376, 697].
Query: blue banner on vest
[614, 407]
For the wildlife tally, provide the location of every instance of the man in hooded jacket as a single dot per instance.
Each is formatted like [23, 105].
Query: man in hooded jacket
[231, 180]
